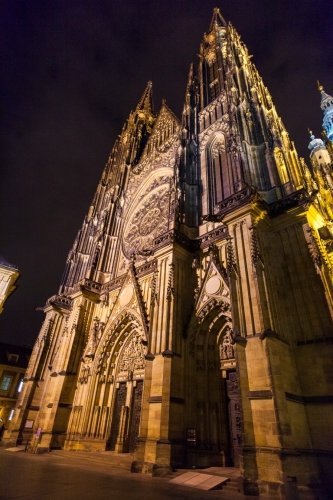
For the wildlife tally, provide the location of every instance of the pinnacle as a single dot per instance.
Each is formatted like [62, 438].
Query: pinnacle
[217, 19]
[190, 74]
[326, 99]
[146, 101]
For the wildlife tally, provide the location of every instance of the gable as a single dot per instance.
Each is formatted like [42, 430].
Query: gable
[214, 290]
[164, 131]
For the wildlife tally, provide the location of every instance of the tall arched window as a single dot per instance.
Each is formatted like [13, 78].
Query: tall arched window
[219, 175]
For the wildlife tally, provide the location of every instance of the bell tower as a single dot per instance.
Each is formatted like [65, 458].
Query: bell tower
[243, 141]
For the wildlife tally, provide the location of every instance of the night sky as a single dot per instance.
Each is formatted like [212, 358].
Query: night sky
[71, 71]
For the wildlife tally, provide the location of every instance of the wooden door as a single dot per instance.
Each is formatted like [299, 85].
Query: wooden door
[119, 404]
[235, 416]
[135, 416]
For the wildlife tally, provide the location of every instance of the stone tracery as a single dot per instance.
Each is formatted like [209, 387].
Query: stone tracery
[150, 220]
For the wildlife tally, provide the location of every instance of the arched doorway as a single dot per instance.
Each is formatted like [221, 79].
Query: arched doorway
[129, 379]
[107, 405]
[214, 409]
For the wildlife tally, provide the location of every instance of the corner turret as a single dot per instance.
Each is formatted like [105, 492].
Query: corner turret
[318, 152]
[326, 105]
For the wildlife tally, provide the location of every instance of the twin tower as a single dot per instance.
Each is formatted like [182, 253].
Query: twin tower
[193, 324]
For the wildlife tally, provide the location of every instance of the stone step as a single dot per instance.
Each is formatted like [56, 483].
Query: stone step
[199, 480]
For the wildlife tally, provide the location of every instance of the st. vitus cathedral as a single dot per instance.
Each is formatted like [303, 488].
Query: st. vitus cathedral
[193, 324]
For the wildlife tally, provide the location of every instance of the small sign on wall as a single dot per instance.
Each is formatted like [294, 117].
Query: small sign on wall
[29, 424]
[191, 437]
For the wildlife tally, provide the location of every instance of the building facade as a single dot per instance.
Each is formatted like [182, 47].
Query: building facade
[13, 364]
[193, 324]
[9, 274]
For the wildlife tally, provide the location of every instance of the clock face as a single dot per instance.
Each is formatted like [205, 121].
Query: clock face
[149, 220]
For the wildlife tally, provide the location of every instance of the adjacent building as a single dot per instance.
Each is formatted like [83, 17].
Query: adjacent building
[193, 323]
[13, 364]
[9, 274]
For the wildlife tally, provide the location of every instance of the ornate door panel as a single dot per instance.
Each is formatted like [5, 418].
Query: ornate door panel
[119, 404]
[135, 415]
[235, 416]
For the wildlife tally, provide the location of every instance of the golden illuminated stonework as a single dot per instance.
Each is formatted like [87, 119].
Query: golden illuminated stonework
[193, 323]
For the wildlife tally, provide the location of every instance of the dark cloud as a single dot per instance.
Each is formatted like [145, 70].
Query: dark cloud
[72, 71]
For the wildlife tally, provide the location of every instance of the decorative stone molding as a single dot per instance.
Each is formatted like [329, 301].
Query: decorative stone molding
[61, 302]
[221, 233]
[221, 305]
[231, 259]
[240, 198]
[142, 305]
[297, 198]
[255, 251]
[114, 284]
[206, 136]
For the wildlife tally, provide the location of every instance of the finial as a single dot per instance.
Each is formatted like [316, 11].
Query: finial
[311, 134]
[320, 87]
[217, 19]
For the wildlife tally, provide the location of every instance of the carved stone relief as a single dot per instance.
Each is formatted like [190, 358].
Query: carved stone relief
[95, 336]
[149, 220]
[133, 357]
[227, 346]
[218, 126]
[218, 146]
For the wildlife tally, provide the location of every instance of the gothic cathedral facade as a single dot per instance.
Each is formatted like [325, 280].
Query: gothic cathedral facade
[193, 324]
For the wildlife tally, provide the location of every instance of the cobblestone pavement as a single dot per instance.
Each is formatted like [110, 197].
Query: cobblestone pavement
[87, 476]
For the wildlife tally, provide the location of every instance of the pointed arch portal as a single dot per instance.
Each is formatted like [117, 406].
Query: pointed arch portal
[129, 377]
[215, 406]
[107, 405]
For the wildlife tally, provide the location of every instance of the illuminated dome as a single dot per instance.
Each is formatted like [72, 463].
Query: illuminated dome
[315, 143]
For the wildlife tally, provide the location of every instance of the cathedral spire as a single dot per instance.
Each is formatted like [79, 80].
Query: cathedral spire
[146, 101]
[217, 19]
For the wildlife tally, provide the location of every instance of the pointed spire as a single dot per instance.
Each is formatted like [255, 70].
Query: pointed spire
[326, 99]
[217, 19]
[190, 75]
[189, 84]
[146, 101]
